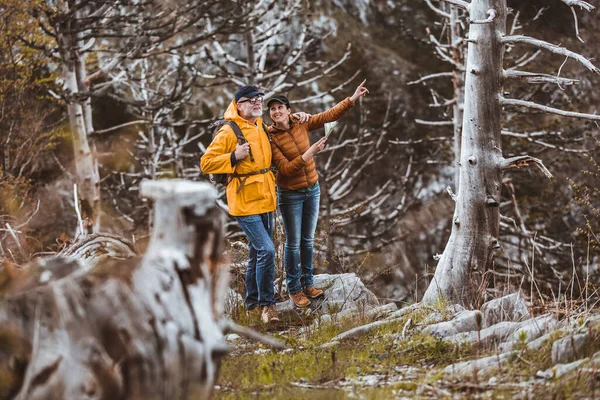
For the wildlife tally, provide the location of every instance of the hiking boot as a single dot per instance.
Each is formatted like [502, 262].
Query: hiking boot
[300, 300]
[269, 314]
[312, 292]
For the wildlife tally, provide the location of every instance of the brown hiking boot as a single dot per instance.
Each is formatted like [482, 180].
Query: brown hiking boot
[312, 292]
[300, 300]
[269, 314]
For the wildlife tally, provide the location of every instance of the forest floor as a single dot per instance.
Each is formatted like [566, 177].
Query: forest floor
[389, 362]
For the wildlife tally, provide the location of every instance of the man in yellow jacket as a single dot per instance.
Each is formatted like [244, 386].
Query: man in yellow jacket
[251, 194]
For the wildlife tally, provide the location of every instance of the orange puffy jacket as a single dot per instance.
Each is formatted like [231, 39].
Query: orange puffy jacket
[289, 145]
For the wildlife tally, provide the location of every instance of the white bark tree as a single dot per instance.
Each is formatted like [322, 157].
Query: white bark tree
[68, 35]
[470, 249]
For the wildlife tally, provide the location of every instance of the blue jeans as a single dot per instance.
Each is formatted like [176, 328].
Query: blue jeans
[260, 272]
[300, 211]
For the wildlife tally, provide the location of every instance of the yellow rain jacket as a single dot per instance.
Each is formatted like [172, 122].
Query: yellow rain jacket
[257, 194]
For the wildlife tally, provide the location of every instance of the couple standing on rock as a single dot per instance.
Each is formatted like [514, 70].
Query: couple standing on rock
[252, 195]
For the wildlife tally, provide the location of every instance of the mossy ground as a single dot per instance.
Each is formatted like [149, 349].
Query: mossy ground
[396, 367]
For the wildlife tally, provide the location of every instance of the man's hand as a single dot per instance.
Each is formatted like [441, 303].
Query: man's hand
[314, 149]
[301, 116]
[242, 151]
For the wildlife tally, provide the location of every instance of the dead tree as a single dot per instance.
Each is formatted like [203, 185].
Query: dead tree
[68, 34]
[115, 33]
[141, 328]
[272, 52]
[516, 239]
[474, 238]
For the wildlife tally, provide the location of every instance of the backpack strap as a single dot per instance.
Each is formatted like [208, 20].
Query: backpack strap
[238, 133]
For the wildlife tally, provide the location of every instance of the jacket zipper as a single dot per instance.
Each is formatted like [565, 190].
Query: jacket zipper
[298, 148]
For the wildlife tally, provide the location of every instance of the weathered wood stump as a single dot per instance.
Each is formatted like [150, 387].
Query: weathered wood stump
[142, 328]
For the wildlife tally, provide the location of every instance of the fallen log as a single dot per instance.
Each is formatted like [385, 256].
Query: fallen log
[141, 328]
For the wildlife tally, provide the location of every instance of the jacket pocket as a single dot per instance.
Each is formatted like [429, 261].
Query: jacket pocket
[254, 189]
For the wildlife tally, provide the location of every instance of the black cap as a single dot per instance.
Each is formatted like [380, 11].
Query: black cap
[281, 99]
[247, 91]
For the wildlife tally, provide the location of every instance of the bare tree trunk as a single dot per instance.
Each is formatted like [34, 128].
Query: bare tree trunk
[458, 81]
[79, 110]
[474, 238]
[143, 328]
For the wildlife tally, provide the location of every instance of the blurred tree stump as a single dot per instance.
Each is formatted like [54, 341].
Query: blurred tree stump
[126, 328]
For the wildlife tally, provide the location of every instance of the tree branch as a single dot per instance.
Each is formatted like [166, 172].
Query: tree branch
[552, 48]
[524, 60]
[491, 13]
[529, 138]
[435, 123]
[113, 128]
[437, 10]
[432, 76]
[520, 161]
[459, 3]
[533, 77]
[580, 3]
[551, 110]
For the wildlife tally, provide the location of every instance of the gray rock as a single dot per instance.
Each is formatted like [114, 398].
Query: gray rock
[435, 317]
[464, 321]
[534, 328]
[539, 342]
[382, 311]
[570, 348]
[343, 293]
[508, 308]
[446, 314]
[488, 336]
[404, 310]
[532, 342]
[560, 369]
[480, 366]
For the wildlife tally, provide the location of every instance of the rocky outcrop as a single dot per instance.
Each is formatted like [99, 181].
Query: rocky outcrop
[508, 308]
[344, 293]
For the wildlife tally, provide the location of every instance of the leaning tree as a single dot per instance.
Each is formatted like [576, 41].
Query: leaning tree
[476, 221]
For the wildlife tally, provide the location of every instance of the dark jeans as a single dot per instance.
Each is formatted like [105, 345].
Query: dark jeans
[260, 272]
[300, 211]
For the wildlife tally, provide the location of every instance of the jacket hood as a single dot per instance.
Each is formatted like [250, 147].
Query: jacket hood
[231, 114]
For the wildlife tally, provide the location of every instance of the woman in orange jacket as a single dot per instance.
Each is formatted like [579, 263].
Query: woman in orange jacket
[298, 191]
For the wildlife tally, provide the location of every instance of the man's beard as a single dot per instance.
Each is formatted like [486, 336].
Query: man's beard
[251, 113]
[256, 113]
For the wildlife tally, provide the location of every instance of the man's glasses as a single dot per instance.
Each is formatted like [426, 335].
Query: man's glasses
[254, 100]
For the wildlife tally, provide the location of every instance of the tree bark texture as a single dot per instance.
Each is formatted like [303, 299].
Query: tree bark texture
[80, 120]
[142, 328]
[474, 238]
